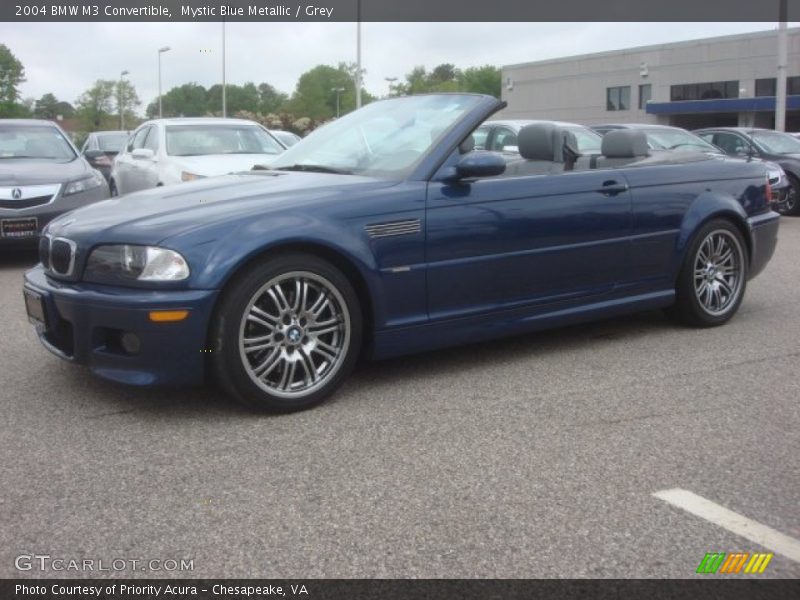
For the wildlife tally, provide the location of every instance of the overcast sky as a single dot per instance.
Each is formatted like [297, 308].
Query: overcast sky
[66, 58]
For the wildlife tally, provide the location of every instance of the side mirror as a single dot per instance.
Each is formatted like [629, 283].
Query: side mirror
[142, 153]
[94, 153]
[480, 164]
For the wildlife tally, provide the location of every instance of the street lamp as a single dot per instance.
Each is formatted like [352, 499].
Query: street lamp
[390, 81]
[338, 91]
[160, 52]
[224, 101]
[120, 101]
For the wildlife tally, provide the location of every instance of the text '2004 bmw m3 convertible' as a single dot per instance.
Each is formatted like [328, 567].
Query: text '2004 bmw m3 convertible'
[385, 233]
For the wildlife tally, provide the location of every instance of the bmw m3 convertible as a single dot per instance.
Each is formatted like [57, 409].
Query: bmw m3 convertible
[385, 233]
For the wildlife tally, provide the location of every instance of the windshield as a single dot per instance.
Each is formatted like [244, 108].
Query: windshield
[203, 140]
[676, 139]
[112, 142]
[383, 139]
[775, 142]
[34, 141]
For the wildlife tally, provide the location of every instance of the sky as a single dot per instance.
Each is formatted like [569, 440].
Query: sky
[66, 58]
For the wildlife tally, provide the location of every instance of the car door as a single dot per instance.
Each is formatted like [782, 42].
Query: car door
[125, 164]
[502, 242]
[148, 169]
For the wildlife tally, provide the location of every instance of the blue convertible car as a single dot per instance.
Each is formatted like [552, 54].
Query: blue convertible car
[386, 233]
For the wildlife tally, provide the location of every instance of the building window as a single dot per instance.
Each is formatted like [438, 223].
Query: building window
[618, 98]
[768, 86]
[704, 91]
[645, 95]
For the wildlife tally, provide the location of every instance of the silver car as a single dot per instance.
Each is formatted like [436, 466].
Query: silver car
[42, 175]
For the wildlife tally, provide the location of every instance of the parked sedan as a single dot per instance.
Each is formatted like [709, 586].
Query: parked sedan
[780, 148]
[42, 175]
[387, 240]
[501, 136]
[101, 147]
[169, 151]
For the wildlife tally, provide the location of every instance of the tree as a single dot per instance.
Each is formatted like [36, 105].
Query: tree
[316, 92]
[482, 80]
[270, 99]
[12, 74]
[95, 105]
[127, 99]
[187, 100]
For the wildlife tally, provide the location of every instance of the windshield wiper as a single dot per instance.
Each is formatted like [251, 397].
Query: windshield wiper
[314, 169]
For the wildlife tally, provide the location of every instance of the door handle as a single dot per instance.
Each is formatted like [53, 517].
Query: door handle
[612, 188]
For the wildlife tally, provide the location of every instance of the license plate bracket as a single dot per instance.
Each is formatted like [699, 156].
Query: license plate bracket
[19, 228]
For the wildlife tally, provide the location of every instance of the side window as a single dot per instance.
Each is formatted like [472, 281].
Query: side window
[502, 138]
[137, 141]
[151, 142]
[480, 135]
[730, 143]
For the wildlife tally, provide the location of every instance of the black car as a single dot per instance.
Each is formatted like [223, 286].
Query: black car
[766, 144]
[42, 176]
[101, 147]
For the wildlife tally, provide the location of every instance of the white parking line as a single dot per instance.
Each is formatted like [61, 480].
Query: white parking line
[733, 522]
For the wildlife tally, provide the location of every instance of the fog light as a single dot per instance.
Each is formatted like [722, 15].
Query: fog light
[130, 342]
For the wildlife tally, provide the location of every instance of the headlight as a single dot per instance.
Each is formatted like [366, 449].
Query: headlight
[94, 180]
[126, 263]
[187, 176]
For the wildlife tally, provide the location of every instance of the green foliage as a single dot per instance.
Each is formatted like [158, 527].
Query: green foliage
[187, 100]
[12, 74]
[316, 93]
[50, 107]
[94, 107]
[447, 78]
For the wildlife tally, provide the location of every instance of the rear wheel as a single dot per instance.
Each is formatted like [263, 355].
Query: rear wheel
[713, 278]
[286, 333]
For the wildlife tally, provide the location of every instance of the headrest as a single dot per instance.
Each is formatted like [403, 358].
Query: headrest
[537, 141]
[624, 143]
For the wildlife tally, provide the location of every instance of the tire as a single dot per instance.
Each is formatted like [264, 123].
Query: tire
[791, 207]
[112, 188]
[713, 278]
[286, 333]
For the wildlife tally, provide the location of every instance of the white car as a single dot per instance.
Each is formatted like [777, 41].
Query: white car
[169, 151]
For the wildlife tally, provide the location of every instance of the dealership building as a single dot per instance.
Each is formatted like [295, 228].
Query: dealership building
[720, 81]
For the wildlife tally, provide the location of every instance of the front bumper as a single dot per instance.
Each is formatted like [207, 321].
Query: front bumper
[84, 324]
[763, 239]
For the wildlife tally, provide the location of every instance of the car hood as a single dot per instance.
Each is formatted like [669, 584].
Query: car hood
[152, 216]
[221, 164]
[33, 171]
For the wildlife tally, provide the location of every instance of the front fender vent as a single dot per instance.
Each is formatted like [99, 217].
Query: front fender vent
[392, 228]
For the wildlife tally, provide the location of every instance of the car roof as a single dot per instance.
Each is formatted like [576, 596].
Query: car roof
[637, 126]
[523, 122]
[735, 129]
[35, 122]
[110, 132]
[198, 121]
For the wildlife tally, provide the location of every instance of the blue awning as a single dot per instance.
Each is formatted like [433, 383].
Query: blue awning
[721, 105]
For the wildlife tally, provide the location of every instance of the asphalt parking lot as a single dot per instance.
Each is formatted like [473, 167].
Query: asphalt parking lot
[536, 456]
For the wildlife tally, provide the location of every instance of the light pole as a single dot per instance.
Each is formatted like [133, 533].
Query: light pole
[390, 81]
[338, 91]
[160, 52]
[120, 101]
[224, 103]
[358, 56]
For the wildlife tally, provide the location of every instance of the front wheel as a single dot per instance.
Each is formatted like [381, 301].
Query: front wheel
[286, 333]
[791, 206]
[713, 278]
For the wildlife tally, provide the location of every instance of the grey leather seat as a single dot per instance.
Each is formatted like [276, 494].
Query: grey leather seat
[621, 147]
[545, 149]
